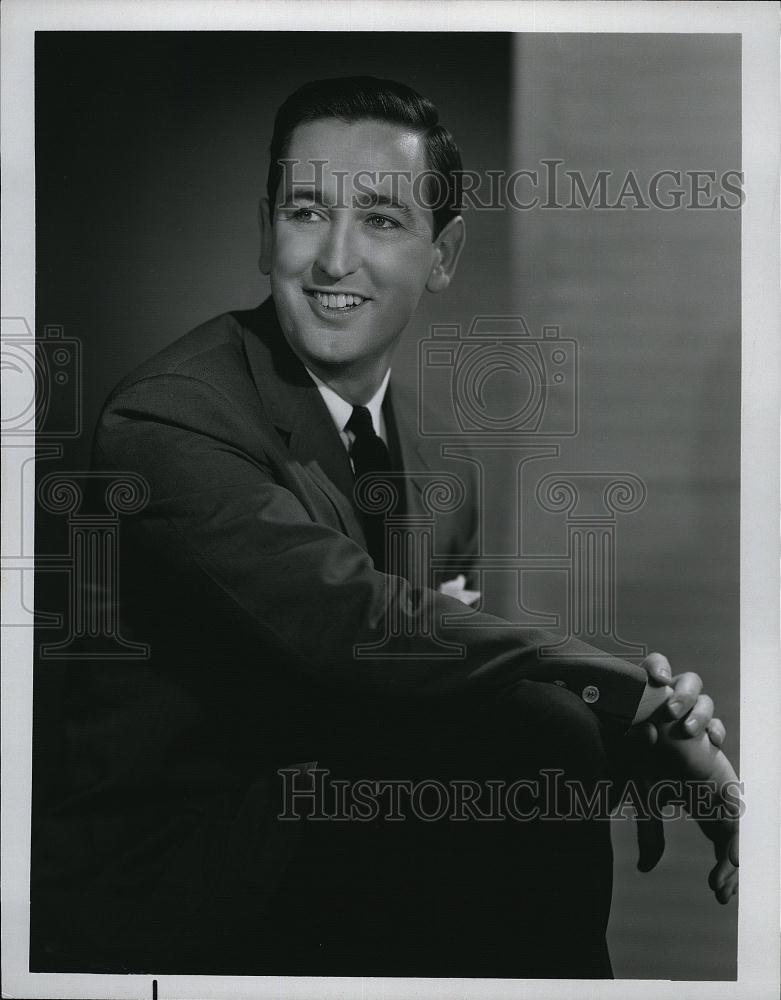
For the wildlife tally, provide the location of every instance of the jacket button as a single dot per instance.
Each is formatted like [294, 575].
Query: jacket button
[590, 694]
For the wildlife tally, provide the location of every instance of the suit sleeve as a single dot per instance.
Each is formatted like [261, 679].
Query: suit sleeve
[229, 510]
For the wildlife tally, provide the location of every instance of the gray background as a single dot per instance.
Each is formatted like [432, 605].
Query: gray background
[653, 299]
[150, 160]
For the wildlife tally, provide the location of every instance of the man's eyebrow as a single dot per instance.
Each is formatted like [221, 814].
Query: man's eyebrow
[308, 191]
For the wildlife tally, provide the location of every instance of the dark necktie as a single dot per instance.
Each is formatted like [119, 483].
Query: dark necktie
[369, 454]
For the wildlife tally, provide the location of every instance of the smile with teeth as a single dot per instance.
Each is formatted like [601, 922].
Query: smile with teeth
[339, 301]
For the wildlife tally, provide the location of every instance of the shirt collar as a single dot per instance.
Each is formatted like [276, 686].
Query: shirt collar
[341, 410]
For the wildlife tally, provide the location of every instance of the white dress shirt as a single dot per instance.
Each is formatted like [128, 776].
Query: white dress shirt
[341, 410]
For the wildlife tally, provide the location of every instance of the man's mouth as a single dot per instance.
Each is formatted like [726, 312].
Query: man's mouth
[339, 301]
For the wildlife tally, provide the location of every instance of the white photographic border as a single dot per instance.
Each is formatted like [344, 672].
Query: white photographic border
[760, 745]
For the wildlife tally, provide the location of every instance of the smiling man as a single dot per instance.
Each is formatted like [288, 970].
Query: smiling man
[350, 258]
[260, 582]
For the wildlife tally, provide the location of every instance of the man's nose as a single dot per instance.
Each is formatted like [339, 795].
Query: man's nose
[338, 254]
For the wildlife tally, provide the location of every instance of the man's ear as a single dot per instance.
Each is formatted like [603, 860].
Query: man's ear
[447, 249]
[264, 224]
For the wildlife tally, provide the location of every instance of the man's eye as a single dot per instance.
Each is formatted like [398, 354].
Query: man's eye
[305, 215]
[382, 222]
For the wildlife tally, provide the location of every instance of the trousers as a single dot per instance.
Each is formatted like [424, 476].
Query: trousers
[508, 885]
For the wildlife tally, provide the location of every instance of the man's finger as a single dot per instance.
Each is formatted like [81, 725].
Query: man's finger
[733, 850]
[658, 668]
[686, 691]
[650, 835]
[650, 843]
[725, 893]
[720, 872]
[716, 732]
[700, 716]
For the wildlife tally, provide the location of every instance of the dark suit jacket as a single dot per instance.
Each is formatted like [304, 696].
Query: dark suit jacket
[247, 574]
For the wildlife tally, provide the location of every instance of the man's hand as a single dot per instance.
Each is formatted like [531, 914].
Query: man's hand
[675, 727]
[678, 697]
[699, 760]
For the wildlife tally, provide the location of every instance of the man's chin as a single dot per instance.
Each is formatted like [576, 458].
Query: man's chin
[317, 344]
[332, 362]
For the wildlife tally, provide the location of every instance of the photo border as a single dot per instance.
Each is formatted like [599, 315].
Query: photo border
[758, 925]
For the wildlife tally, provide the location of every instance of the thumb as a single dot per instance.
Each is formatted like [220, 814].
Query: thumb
[658, 668]
[650, 833]
[650, 842]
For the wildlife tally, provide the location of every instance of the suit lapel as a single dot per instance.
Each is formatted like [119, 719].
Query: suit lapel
[304, 424]
[297, 410]
[315, 443]
[416, 456]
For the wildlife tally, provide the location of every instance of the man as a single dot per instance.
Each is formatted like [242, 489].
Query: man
[288, 639]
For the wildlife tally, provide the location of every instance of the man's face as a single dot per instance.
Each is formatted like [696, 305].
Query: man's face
[346, 277]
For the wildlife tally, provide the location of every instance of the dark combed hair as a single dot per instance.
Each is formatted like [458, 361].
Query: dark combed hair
[358, 98]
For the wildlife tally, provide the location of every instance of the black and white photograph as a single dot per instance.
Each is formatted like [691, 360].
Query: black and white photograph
[390, 524]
